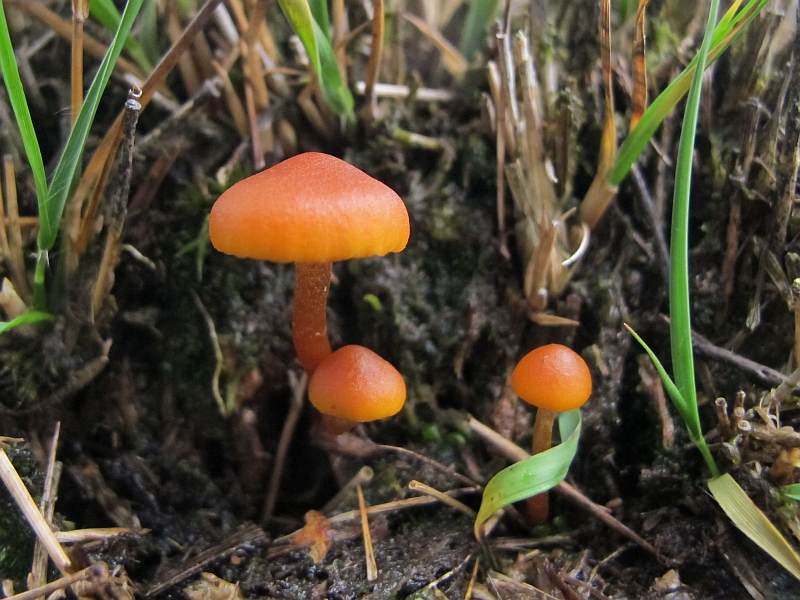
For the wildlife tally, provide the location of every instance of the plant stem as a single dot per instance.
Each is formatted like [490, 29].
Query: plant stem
[309, 322]
[537, 508]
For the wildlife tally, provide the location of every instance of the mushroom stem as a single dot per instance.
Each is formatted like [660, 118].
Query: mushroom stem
[537, 508]
[309, 322]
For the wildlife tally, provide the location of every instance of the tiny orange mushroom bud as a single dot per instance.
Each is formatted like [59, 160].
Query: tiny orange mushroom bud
[310, 209]
[554, 379]
[355, 384]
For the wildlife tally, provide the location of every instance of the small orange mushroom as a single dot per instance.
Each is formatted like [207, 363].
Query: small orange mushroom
[355, 385]
[310, 209]
[554, 379]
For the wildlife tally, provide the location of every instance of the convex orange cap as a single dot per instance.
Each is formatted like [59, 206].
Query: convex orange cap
[312, 207]
[356, 384]
[552, 377]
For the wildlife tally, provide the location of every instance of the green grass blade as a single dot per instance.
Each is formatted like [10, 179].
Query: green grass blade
[726, 32]
[334, 89]
[749, 519]
[319, 8]
[106, 13]
[672, 390]
[300, 17]
[792, 491]
[679, 307]
[26, 318]
[534, 475]
[19, 104]
[320, 53]
[68, 164]
[480, 16]
[690, 416]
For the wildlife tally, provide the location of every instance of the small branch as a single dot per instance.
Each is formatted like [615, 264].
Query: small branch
[22, 497]
[298, 386]
[369, 552]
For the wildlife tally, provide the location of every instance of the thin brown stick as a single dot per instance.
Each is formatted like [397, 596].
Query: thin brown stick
[64, 29]
[80, 10]
[369, 552]
[58, 584]
[424, 488]
[429, 461]
[376, 52]
[513, 452]
[298, 387]
[16, 253]
[600, 194]
[639, 65]
[94, 175]
[38, 574]
[22, 497]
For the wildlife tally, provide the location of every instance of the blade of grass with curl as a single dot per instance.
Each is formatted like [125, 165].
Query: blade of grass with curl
[539, 473]
[733, 500]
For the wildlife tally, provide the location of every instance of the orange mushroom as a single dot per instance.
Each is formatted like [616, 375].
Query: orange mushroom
[310, 209]
[355, 385]
[554, 379]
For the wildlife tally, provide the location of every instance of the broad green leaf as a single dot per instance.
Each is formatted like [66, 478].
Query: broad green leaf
[481, 15]
[19, 104]
[727, 31]
[534, 475]
[69, 162]
[791, 491]
[26, 318]
[107, 14]
[749, 519]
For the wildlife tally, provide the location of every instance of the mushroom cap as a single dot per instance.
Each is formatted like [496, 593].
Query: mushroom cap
[356, 384]
[312, 207]
[552, 377]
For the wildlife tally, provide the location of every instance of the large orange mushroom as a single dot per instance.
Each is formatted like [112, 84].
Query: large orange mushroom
[311, 209]
[554, 379]
[355, 385]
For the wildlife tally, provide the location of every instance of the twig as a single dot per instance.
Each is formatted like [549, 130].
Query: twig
[80, 10]
[363, 475]
[601, 513]
[38, 575]
[376, 52]
[246, 534]
[86, 574]
[219, 359]
[16, 256]
[298, 387]
[761, 373]
[429, 461]
[22, 497]
[418, 486]
[386, 507]
[369, 552]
